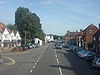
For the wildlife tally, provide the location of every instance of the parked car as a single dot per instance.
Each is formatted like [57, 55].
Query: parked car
[59, 46]
[87, 54]
[96, 63]
[30, 46]
[82, 53]
[33, 45]
[78, 49]
[36, 45]
[72, 48]
[25, 47]
[90, 56]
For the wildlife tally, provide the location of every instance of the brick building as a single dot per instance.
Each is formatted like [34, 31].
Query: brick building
[72, 37]
[96, 41]
[88, 35]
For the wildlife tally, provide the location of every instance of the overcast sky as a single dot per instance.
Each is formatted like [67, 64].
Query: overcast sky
[57, 16]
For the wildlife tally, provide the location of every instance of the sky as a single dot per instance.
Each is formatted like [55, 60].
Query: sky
[57, 16]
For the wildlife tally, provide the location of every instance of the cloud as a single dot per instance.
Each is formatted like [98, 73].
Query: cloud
[79, 9]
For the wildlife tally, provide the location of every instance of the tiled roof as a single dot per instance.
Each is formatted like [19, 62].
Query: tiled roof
[14, 32]
[91, 25]
[2, 25]
[72, 33]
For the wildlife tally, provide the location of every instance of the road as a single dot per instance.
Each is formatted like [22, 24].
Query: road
[47, 60]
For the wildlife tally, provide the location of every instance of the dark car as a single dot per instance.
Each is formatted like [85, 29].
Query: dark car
[25, 47]
[58, 46]
[91, 57]
[78, 49]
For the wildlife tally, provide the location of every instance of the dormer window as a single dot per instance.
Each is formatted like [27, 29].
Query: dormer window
[90, 31]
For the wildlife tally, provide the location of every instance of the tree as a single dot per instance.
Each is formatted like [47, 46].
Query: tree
[58, 37]
[11, 26]
[28, 23]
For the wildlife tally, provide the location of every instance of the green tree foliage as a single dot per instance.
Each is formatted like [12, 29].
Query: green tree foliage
[28, 22]
[11, 26]
[57, 37]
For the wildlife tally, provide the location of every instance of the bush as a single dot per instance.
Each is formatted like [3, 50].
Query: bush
[17, 49]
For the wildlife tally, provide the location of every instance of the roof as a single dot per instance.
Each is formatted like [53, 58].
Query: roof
[91, 25]
[2, 25]
[2, 28]
[72, 33]
[14, 32]
[97, 33]
[49, 35]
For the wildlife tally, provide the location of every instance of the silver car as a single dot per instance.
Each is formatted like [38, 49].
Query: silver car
[82, 53]
[96, 62]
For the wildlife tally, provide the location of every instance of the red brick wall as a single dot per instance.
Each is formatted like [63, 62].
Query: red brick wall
[90, 31]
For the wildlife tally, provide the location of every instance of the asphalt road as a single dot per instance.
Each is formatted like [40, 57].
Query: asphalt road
[62, 62]
[47, 60]
[23, 62]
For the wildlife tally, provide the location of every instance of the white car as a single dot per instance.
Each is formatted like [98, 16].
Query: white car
[96, 62]
[82, 53]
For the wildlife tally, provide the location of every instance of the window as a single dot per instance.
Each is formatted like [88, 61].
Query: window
[99, 38]
[94, 38]
[17, 37]
[90, 31]
[6, 36]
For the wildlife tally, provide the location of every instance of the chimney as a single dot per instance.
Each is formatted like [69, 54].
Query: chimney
[99, 25]
[68, 31]
[81, 30]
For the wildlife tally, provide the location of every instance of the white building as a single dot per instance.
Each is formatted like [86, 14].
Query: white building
[9, 38]
[49, 38]
[38, 41]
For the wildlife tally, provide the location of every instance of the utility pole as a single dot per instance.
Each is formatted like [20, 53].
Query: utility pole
[25, 36]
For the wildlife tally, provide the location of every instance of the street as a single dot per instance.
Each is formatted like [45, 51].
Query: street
[46, 60]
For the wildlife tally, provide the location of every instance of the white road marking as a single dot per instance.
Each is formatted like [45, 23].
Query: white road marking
[31, 70]
[34, 66]
[60, 71]
[56, 55]
[42, 53]
[38, 59]
[58, 62]
[35, 63]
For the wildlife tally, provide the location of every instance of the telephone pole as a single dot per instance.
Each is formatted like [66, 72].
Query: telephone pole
[25, 36]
